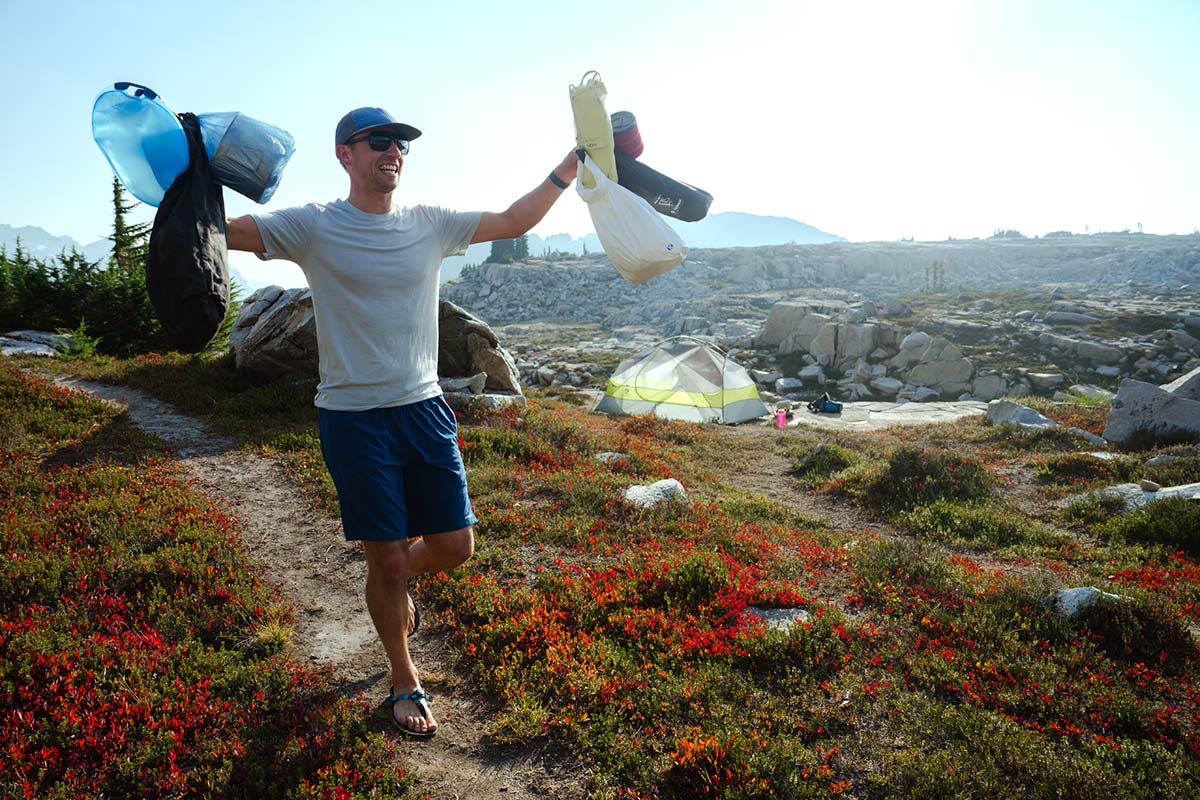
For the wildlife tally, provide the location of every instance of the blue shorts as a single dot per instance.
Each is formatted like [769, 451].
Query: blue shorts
[398, 470]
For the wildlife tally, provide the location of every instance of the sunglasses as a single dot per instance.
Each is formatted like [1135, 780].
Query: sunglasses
[380, 142]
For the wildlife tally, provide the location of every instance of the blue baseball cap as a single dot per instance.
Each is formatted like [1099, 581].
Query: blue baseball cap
[360, 119]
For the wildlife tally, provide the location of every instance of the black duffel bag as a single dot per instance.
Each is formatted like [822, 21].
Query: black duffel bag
[668, 196]
[187, 272]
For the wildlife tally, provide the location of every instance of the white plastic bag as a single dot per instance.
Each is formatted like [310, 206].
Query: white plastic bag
[634, 236]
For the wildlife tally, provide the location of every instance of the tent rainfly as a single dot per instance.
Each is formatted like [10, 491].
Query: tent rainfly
[685, 379]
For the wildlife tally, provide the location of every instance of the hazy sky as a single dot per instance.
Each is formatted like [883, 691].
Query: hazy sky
[869, 120]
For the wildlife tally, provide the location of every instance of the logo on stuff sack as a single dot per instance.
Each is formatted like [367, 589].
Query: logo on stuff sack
[669, 205]
[670, 246]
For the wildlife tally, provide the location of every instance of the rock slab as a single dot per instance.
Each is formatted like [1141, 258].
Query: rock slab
[1164, 414]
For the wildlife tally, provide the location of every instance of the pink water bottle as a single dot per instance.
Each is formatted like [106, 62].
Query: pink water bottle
[780, 418]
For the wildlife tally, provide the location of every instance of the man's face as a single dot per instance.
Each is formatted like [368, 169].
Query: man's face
[372, 169]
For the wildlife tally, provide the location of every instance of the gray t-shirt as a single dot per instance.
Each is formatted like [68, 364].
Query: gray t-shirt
[374, 281]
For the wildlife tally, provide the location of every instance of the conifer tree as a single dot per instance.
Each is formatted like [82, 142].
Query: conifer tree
[131, 241]
[502, 252]
[119, 308]
[506, 251]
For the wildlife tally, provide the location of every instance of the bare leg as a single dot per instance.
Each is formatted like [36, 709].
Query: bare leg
[441, 551]
[387, 602]
[412, 607]
[389, 565]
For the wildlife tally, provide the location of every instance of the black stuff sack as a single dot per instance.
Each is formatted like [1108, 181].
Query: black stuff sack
[668, 196]
[187, 272]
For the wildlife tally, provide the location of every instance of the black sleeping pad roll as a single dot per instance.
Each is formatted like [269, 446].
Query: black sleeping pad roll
[669, 197]
[187, 272]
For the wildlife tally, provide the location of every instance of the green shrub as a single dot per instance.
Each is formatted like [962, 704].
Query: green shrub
[969, 752]
[747, 507]
[557, 431]
[1133, 632]
[1017, 611]
[1143, 439]
[482, 443]
[82, 345]
[1015, 439]
[1070, 468]
[1086, 415]
[220, 341]
[1094, 509]
[949, 521]
[1174, 522]
[1090, 400]
[665, 430]
[817, 648]
[814, 465]
[1179, 469]
[565, 394]
[261, 399]
[884, 565]
[912, 477]
[690, 582]
[32, 422]
[735, 766]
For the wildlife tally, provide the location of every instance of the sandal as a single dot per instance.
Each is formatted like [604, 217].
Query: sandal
[418, 698]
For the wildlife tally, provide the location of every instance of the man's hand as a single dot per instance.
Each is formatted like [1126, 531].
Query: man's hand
[568, 167]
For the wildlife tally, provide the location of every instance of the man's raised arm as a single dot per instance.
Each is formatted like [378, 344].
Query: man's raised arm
[241, 233]
[522, 215]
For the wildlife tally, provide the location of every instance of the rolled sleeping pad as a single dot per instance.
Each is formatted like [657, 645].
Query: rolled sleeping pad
[626, 138]
[593, 127]
[668, 196]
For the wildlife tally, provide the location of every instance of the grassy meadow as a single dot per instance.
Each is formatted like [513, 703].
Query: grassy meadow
[142, 657]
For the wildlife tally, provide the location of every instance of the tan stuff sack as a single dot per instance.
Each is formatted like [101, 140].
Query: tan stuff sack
[593, 127]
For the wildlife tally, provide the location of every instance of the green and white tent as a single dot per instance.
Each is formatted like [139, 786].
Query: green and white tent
[686, 379]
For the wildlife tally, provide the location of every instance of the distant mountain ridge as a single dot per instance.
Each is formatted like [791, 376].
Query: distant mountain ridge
[727, 229]
[738, 229]
[43, 245]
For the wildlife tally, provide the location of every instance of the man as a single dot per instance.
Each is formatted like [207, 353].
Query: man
[387, 435]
